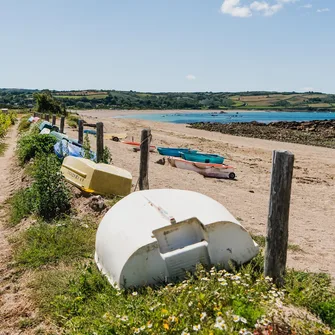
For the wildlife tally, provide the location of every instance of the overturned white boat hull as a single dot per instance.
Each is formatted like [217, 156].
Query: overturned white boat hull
[157, 235]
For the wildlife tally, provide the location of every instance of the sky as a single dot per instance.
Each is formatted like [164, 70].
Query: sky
[168, 45]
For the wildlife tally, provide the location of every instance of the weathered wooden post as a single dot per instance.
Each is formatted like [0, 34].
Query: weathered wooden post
[144, 159]
[46, 117]
[61, 126]
[35, 114]
[53, 119]
[100, 141]
[277, 228]
[81, 131]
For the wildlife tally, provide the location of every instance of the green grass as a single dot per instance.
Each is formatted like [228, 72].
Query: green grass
[21, 206]
[3, 148]
[65, 240]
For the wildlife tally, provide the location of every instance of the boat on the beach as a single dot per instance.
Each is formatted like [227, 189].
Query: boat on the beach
[96, 178]
[65, 147]
[58, 135]
[166, 234]
[202, 157]
[175, 152]
[205, 169]
[116, 137]
[137, 145]
[48, 125]
[90, 131]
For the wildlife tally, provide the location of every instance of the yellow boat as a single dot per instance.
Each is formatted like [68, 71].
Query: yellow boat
[115, 137]
[95, 178]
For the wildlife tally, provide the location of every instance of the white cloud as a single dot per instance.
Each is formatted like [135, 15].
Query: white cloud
[232, 7]
[307, 6]
[235, 8]
[190, 77]
[265, 8]
[322, 10]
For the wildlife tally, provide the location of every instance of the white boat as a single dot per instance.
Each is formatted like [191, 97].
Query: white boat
[156, 236]
[206, 169]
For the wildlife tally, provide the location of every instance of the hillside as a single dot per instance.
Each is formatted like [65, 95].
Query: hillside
[104, 99]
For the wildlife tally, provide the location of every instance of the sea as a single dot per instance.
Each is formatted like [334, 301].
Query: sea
[232, 116]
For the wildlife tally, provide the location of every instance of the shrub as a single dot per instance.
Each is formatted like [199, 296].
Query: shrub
[87, 147]
[24, 124]
[326, 311]
[49, 188]
[106, 156]
[32, 144]
[66, 240]
[72, 120]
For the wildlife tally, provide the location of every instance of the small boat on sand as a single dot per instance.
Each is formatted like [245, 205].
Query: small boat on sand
[137, 145]
[157, 236]
[175, 152]
[96, 178]
[202, 158]
[90, 131]
[116, 137]
[206, 169]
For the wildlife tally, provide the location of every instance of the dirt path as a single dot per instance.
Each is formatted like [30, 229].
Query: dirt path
[14, 306]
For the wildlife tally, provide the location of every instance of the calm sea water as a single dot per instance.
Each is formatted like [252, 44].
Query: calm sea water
[233, 116]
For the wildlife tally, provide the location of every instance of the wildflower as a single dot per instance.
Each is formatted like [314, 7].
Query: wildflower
[134, 293]
[166, 326]
[190, 304]
[267, 278]
[165, 311]
[185, 333]
[220, 323]
[124, 318]
[244, 332]
[224, 283]
[196, 328]
[172, 319]
[243, 320]
[236, 318]
[142, 327]
[203, 316]
[149, 324]
[118, 316]
[137, 331]
[205, 279]
[117, 294]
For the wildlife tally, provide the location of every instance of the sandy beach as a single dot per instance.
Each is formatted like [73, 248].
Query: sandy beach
[312, 214]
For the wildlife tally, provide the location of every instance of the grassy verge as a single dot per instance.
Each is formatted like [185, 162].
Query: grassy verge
[72, 120]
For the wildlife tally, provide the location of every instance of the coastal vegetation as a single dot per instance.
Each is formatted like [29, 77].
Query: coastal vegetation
[112, 99]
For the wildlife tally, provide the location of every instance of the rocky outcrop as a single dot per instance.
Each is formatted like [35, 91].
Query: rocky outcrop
[319, 133]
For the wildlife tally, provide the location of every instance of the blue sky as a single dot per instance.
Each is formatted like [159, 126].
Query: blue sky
[168, 45]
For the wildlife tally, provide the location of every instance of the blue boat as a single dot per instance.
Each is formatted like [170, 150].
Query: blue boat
[175, 152]
[65, 148]
[90, 131]
[48, 125]
[202, 158]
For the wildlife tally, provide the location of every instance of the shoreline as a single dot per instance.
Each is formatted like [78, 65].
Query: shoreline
[123, 112]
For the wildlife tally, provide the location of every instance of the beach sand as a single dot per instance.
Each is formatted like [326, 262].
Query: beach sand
[312, 212]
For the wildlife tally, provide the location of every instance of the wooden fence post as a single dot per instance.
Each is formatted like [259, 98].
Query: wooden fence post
[46, 117]
[81, 131]
[53, 119]
[61, 126]
[277, 228]
[35, 114]
[144, 159]
[100, 141]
